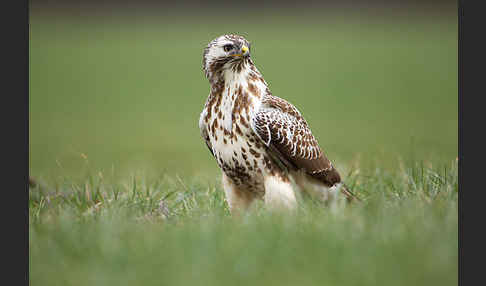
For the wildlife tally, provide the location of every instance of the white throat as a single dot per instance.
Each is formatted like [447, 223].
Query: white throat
[233, 80]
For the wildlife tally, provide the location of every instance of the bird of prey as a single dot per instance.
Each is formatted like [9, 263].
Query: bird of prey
[261, 142]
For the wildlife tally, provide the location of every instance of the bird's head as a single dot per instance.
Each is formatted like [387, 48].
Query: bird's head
[226, 51]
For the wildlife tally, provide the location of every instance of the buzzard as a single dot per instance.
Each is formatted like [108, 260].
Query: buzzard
[261, 142]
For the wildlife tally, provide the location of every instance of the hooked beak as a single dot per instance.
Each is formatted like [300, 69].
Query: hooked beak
[244, 51]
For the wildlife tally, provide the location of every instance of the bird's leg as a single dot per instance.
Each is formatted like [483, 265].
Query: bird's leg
[238, 200]
[279, 192]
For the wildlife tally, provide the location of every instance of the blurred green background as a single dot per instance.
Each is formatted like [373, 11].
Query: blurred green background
[116, 89]
[126, 90]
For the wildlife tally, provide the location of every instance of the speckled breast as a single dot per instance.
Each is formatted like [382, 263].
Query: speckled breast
[237, 149]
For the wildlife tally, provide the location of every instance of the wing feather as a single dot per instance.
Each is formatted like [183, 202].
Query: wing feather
[289, 139]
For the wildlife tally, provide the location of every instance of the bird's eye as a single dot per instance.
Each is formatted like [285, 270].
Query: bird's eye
[228, 47]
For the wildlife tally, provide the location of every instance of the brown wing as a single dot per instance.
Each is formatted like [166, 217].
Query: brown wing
[286, 133]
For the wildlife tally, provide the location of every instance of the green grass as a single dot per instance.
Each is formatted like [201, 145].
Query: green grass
[167, 231]
[128, 194]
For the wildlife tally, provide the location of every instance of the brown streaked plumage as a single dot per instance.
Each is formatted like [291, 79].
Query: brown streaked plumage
[286, 133]
[260, 141]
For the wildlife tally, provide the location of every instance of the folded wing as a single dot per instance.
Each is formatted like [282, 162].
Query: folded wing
[290, 141]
